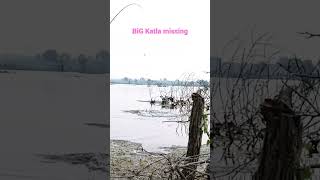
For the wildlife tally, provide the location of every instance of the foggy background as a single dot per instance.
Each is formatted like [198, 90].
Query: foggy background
[73, 26]
[281, 18]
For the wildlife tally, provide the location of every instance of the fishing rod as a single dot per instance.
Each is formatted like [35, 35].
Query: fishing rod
[132, 4]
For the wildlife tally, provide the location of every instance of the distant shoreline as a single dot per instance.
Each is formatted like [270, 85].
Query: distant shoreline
[160, 83]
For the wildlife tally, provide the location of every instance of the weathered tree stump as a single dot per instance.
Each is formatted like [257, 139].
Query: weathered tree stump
[195, 135]
[279, 158]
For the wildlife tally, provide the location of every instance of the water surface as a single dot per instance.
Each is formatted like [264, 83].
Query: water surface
[146, 128]
[46, 113]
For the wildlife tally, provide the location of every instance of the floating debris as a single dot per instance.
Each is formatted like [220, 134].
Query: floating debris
[93, 161]
[101, 125]
[152, 113]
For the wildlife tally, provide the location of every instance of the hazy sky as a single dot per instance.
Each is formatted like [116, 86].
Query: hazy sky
[160, 56]
[29, 26]
[281, 18]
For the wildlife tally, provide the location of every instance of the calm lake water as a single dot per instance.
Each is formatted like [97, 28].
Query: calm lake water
[46, 113]
[148, 127]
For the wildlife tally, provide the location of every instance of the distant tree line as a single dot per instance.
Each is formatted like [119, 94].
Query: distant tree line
[284, 67]
[161, 82]
[51, 60]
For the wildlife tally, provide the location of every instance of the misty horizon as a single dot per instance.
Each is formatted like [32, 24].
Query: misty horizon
[74, 26]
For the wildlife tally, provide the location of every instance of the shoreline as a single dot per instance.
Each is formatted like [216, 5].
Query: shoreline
[128, 160]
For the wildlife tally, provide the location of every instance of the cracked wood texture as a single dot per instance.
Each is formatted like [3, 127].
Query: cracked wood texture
[195, 135]
[279, 158]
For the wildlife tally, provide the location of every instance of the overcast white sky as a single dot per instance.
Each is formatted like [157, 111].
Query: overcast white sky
[160, 56]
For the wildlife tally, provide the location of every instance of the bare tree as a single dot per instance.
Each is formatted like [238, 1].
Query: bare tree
[238, 122]
[308, 35]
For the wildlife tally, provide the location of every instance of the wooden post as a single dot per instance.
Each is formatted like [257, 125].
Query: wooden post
[279, 158]
[195, 135]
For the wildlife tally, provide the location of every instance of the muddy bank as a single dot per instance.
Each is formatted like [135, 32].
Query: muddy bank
[130, 161]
